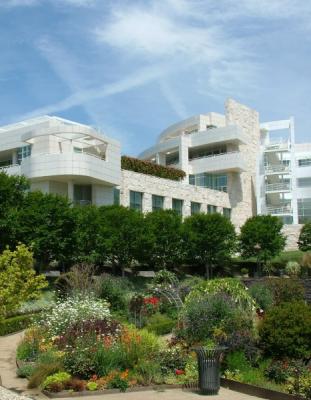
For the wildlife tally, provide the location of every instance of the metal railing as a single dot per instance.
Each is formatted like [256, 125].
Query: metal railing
[213, 155]
[272, 168]
[280, 210]
[277, 145]
[275, 187]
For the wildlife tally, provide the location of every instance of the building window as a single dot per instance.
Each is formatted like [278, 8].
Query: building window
[177, 205]
[23, 152]
[82, 194]
[195, 207]
[157, 202]
[201, 152]
[304, 210]
[304, 182]
[136, 200]
[5, 163]
[211, 181]
[211, 209]
[304, 162]
[116, 196]
[77, 150]
[226, 212]
[171, 159]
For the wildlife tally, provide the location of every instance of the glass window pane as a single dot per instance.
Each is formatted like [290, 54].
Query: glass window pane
[116, 197]
[82, 194]
[157, 202]
[195, 208]
[136, 200]
[227, 212]
[177, 205]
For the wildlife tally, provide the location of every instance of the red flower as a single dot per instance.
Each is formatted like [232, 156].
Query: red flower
[179, 372]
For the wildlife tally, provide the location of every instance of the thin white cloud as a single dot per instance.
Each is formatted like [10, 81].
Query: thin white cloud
[173, 99]
[29, 3]
[18, 3]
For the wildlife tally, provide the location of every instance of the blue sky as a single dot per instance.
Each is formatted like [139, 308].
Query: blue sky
[134, 67]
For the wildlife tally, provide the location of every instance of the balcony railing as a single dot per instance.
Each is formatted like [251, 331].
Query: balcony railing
[82, 202]
[279, 210]
[277, 145]
[275, 168]
[213, 155]
[278, 187]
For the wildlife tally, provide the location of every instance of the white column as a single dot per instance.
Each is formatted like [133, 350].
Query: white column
[70, 191]
[184, 156]
[14, 157]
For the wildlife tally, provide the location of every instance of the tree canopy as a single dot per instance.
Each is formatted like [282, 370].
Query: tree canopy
[304, 242]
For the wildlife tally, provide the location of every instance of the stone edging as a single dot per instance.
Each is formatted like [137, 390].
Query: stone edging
[257, 391]
[65, 394]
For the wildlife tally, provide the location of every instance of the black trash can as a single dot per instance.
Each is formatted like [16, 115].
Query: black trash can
[209, 369]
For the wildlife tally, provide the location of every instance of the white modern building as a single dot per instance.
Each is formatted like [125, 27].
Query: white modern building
[62, 157]
[233, 164]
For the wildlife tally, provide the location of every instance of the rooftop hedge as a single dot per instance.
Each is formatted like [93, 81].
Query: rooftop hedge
[149, 168]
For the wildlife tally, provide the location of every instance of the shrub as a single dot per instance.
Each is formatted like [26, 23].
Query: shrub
[77, 385]
[25, 371]
[148, 372]
[27, 351]
[160, 324]
[213, 316]
[15, 324]
[91, 386]
[42, 371]
[230, 286]
[304, 242]
[72, 310]
[188, 284]
[292, 268]
[280, 371]
[149, 168]
[118, 382]
[262, 294]
[108, 359]
[172, 358]
[237, 361]
[114, 290]
[285, 290]
[286, 330]
[60, 378]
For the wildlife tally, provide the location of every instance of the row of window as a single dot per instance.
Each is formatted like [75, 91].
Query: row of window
[304, 210]
[305, 162]
[136, 203]
[211, 181]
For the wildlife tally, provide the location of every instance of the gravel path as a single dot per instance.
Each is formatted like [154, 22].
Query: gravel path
[6, 394]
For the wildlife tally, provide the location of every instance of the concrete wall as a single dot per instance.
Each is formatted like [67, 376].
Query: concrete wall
[292, 234]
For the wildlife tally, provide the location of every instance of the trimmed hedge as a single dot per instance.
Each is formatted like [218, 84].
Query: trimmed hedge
[15, 324]
[147, 167]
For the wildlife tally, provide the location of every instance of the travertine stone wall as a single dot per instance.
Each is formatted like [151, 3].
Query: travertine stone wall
[242, 186]
[292, 234]
[169, 189]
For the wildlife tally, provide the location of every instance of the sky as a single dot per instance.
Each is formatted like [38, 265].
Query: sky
[133, 67]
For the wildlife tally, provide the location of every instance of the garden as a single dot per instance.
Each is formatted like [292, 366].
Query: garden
[101, 326]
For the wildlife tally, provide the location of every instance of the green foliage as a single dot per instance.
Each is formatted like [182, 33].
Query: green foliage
[172, 358]
[292, 268]
[117, 382]
[230, 286]
[115, 290]
[27, 351]
[42, 371]
[237, 361]
[286, 330]
[146, 167]
[15, 324]
[210, 239]
[285, 290]
[160, 324]
[304, 242]
[12, 192]
[50, 233]
[58, 377]
[25, 371]
[148, 372]
[108, 360]
[123, 230]
[261, 236]
[262, 294]
[214, 316]
[162, 246]
[91, 386]
[18, 280]
[301, 386]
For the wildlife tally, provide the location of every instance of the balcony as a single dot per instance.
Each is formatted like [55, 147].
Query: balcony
[278, 187]
[284, 210]
[277, 169]
[225, 162]
[13, 169]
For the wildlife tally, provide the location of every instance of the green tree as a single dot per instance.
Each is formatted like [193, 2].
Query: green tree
[162, 244]
[46, 223]
[12, 192]
[18, 280]
[89, 235]
[261, 237]
[122, 234]
[209, 239]
[304, 241]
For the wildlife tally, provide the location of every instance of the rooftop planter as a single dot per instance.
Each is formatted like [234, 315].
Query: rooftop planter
[148, 168]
